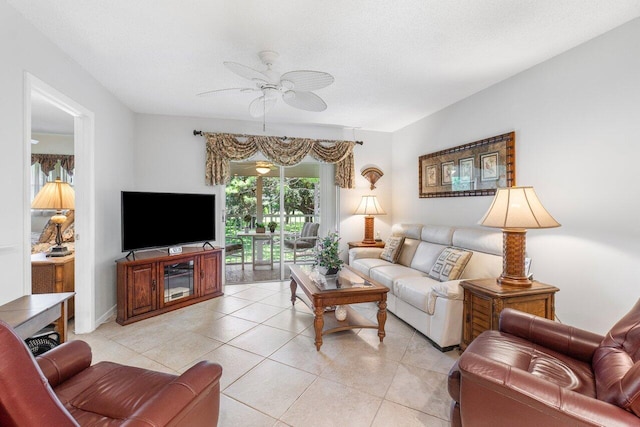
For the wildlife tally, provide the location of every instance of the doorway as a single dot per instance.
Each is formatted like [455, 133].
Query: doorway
[287, 197]
[84, 223]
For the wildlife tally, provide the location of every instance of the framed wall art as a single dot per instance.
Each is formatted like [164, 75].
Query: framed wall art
[474, 169]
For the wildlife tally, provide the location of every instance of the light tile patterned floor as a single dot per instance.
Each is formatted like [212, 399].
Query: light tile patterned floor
[272, 373]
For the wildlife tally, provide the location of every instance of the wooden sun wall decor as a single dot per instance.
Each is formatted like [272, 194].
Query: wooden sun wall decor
[372, 174]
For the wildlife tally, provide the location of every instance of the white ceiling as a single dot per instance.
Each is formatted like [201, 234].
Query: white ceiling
[394, 62]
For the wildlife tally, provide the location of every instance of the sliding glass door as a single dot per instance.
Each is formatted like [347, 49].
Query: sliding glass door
[285, 198]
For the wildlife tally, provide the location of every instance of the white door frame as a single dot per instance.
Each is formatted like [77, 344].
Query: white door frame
[84, 223]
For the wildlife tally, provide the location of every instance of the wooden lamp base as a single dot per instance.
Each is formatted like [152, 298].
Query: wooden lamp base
[514, 249]
[368, 230]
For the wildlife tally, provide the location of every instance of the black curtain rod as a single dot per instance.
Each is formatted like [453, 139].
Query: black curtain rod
[200, 133]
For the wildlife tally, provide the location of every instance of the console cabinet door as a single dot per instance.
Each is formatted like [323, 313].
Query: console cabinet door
[177, 277]
[210, 274]
[142, 289]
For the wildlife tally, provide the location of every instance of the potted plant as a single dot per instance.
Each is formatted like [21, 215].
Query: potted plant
[247, 220]
[272, 226]
[260, 227]
[327, 253]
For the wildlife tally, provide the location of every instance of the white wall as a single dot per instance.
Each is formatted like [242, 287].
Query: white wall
[24, 49]
[169, 157]
[577, 124]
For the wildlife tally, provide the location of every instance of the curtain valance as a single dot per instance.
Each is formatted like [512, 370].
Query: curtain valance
[224, 147]
[48, 162]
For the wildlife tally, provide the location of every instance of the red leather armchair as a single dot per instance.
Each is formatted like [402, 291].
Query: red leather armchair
[536, 372]
[61, 388]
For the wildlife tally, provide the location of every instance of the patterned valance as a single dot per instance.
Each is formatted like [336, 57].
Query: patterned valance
[224, 147]
[48, 162]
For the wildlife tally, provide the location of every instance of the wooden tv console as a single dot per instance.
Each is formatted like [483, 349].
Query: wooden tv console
[153, 282]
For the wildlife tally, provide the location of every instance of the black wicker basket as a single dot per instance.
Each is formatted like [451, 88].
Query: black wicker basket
[41, 343]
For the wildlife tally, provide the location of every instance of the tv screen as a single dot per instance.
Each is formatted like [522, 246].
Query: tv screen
[154, 220]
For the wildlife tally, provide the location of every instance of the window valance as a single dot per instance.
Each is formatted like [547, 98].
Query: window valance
[48, 162]
[224, 147]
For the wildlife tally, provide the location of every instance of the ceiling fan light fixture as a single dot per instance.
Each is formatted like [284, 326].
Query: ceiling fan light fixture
[263, 168]
[287, 84]
[294, 87]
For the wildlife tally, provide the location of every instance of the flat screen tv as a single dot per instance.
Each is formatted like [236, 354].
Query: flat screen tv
[156, 220]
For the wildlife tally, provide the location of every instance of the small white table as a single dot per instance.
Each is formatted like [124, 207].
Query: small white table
[257, 242]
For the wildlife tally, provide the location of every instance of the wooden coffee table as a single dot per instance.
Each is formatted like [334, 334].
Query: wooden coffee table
[339, 291]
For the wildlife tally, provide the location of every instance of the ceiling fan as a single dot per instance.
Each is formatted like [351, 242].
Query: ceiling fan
[294, 87]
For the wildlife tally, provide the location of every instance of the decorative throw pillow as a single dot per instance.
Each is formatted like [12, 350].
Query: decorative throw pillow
[450, 264]
[391, 250]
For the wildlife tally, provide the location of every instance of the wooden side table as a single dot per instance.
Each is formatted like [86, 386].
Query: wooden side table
[379, 244]
[53, 275]
[485, 299]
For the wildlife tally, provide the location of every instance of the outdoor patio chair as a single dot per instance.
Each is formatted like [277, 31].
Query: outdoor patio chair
[302, 246]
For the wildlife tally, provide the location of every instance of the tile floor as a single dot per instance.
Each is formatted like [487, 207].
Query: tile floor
[272, 373]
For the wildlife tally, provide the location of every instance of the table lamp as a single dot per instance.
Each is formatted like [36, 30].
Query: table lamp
[515, 209]
[56, 195]
[369, 206]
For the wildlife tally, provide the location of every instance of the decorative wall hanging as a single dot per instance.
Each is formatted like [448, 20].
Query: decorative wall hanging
[474, 169]
[283, 151]
[372, 174]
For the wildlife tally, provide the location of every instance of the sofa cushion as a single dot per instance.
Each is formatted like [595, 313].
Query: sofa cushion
[387, 274]
[426, 255]
[410, 231]
[364, 265]
[616, 363]
[392, 248]
[407, 251]
[522, 355]
[437, 234]
[450, 264]
[422, 292]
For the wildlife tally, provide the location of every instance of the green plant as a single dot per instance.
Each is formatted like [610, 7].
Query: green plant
[259, 225]
[272, 225]
[247, 218]
[327, 251]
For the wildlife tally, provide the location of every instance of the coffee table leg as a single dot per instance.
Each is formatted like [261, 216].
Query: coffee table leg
[382, 318]
[318, 325]
[293, 285]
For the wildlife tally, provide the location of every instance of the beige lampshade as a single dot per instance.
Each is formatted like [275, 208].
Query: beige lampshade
[56, 195]
[369, 206]
[517, 207]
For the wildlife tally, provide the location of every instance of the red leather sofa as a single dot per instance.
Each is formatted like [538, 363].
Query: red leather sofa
[537, 372]
[61, 388]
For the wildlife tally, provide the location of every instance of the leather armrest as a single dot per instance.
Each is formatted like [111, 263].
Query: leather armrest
[483, 382]
[357, 253]
[177, 402]
[64, 361]
[565, 339]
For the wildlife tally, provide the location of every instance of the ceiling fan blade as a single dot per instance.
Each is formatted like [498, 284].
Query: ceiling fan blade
[261, 105]
[306, 81]
[304, 100]
[246, 72]
[234, 89]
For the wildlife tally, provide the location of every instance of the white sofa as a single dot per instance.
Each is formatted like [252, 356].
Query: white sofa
[432, 307]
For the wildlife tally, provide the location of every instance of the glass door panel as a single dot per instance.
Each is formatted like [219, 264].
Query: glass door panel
[284, 198]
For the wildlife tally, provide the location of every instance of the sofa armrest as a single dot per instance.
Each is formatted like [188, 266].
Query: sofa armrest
[496, 394]
[64, 361]
[192, 399]
[357, 253]
[565, 339]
